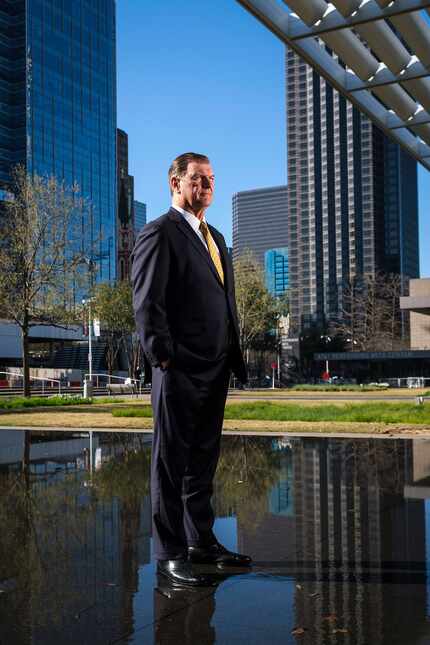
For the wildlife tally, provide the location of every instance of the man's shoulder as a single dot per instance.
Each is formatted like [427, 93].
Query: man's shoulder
[163, 220]
[160, 224]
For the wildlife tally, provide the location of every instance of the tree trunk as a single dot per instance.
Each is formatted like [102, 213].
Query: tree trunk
[25, 466]
[25, 357]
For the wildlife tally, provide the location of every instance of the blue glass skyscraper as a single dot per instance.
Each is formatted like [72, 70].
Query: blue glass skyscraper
[139, 216]
[58, 105]
[276, 271]
[12, 87]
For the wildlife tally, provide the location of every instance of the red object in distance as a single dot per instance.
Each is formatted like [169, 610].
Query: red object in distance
[274, 366]
[325, 376]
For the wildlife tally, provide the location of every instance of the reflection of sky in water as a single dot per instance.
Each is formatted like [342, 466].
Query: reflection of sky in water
[427, 522]
[226, 532]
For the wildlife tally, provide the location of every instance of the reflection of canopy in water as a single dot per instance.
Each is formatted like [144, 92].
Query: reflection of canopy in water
[387, 72]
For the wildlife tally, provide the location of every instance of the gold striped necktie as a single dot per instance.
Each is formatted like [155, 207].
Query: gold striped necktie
[212, 250]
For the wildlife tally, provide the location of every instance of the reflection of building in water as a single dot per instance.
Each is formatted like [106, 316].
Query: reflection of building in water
[418, 484]
[355, 532]
[77, 551]
[354, 543]
[281, 500]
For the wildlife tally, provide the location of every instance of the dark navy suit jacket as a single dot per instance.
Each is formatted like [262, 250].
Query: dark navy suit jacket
[183, 311]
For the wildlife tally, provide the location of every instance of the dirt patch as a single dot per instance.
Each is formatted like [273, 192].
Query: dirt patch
[103, 419]
[75, 419]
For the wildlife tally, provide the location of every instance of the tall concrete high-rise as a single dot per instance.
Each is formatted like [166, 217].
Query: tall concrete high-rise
[352, 198]
[259, 221]
[58, 105]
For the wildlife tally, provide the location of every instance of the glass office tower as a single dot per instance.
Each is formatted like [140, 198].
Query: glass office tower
[58, 113]
[276, 271]
[139, 216]
[12, 87]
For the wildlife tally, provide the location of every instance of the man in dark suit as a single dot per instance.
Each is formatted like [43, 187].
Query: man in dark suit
[187, 321]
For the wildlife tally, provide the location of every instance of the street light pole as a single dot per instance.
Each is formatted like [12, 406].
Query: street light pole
[88, 385]
[90, 344]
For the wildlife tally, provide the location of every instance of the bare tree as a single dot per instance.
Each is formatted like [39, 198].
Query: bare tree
[113, 304]
[370, 318]
[394, 288]
[41, 251]
[257, 309]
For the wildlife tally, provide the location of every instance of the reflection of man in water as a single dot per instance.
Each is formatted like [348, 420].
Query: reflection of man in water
[183, 616]
[186, 318]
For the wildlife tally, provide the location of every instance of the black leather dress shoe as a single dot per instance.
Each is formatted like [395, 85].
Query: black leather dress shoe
[180, 572]
[219, 555]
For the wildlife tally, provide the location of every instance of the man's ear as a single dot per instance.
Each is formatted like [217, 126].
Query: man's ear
[175, 185]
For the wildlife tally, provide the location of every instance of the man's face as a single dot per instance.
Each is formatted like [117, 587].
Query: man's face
[196, 187]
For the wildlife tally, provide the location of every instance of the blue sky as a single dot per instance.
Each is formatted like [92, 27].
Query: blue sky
[192, 77]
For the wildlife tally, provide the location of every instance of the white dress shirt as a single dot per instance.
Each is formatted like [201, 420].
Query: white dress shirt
[194, 222]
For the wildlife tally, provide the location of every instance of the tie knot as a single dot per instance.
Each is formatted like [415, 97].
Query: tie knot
[203, 227]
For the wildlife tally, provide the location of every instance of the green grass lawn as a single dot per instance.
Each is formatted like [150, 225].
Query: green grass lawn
[338, 388]
[20, 402]
[354, 412]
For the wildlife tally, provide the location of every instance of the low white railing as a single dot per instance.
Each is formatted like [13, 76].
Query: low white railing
[36, 378]
[127, 380]
[411, 382]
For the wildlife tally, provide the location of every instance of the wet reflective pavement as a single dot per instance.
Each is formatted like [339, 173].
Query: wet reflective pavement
[339, 531]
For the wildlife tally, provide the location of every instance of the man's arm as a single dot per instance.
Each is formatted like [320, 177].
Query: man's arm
[150, 271]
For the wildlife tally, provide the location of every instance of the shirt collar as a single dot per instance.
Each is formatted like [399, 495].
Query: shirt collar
[192, 220]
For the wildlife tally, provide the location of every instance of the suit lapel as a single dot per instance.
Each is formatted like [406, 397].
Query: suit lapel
[186, 230]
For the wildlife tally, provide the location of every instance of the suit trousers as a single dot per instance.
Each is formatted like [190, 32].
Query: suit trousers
[188, 413]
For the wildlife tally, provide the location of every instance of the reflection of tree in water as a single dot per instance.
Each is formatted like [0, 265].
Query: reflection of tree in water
[127, 480]
[248, 469]
[41, 524]
[373, 462]
[61, 546]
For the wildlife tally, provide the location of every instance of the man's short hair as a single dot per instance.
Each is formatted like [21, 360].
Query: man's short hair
[179, 165]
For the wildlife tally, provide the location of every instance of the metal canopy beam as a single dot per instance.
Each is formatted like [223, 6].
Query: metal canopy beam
[394, 122]
[385, 77]
[367, 13]
[357, 90]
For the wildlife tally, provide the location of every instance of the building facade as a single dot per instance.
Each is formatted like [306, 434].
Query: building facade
[125, 219]
[276, 271]
[352, 198]
[418, 304]
[139, 216]
[259, 221]
[58, 100]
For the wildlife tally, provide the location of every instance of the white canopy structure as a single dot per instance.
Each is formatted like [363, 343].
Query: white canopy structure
[381, 62]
